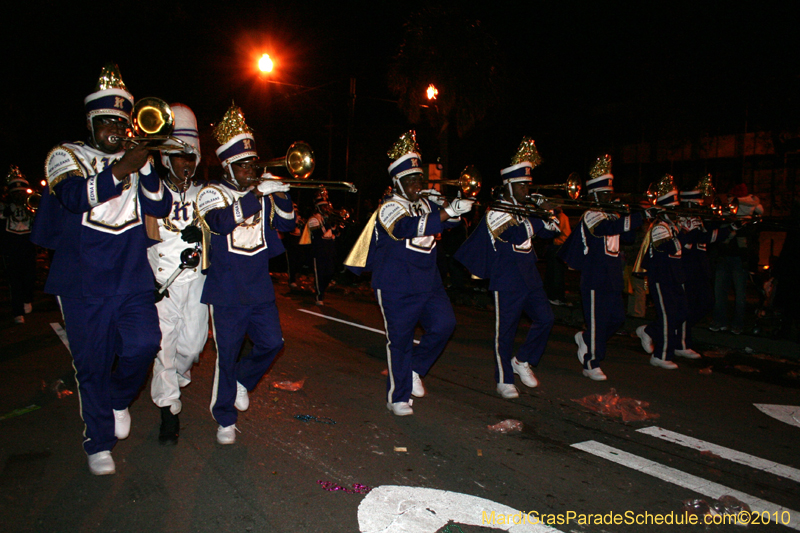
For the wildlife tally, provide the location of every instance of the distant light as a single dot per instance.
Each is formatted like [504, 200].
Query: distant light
[43, 182]
[265, 64]
[29, 191]
[432, 92]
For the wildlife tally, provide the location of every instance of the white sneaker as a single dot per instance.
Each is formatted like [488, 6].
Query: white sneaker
[417, 387]
[101, 464]
[647, 341]
[507, 390]
[661, 363]
[122, 423]
[242, 398]
[523, 370]
[227, 435]
[582, 348]
[594, 374]
[688, 353]
[400, 408]
[28, 308]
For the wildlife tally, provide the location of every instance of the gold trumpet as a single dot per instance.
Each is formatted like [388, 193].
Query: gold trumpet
[32, 202]
[572, 187]
[153, 121]
[299, 161]
[468, 182]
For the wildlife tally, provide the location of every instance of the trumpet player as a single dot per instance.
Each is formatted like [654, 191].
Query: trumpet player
[501, 249]
[400, 249]
[594, 249]
[183, 319]
[19, 254]
[244, 214]
[92, 214]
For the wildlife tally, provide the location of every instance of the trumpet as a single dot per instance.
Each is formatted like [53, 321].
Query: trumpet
[299, 161]
[32, 202]
[572, 187]
[153, 121]
[468, 182]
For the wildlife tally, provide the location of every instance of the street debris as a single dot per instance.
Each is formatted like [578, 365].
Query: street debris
[725, 505]
[19, 412]
[358, 488]
[321, 420]
[291, 386]
[705, 371]
[745, 368]
[58, 388]
[611, 404]
[400, 449]
[717, 352]
[506, 426]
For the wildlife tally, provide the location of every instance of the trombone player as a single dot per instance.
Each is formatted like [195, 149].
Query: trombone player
[92, 214]
[501, 249]
[244, 214]
[594, 249]
[183, 319]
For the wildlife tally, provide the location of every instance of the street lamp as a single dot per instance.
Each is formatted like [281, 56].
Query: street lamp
[265, 64]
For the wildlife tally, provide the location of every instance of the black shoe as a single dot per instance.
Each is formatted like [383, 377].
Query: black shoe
[169, 427]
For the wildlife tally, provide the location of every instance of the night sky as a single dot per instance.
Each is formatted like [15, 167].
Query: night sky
[580, 78]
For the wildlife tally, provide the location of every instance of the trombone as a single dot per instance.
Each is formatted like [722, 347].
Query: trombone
[153, 121]
[299, 161]
[468, 182]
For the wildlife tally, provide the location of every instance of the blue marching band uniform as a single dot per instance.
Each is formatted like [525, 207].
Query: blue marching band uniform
[501, 250]
[238, 288]
[662, 252]
[594, 250]
[95, 223]
[399, 247]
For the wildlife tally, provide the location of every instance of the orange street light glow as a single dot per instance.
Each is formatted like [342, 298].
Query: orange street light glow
[432, 92]
[265, 64]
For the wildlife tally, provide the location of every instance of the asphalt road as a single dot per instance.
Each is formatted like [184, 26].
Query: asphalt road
[427, 472]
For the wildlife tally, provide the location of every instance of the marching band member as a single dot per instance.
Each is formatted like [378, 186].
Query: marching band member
[183, 319]
[501, 250]
[244, 217]
[400, 250]
[323, 245]
[594, 249]
[665, 277]
[92, 215]
[698, 284]
[19, 254]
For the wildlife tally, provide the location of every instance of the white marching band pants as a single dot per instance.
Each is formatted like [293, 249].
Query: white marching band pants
[184, 331]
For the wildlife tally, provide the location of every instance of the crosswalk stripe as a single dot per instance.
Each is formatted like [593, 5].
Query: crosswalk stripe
[347, 322]
[687, 481]
[726, 453]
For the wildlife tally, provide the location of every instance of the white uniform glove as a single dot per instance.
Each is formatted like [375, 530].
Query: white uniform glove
[433, 195]
[458, 207]
[271, 186]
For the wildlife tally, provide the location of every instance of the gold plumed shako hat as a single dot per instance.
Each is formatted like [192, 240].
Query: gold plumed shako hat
[600, 177]
[110, 96]
[667, 191]
[235, 137]
[405, 156]
[524, 161]
[704, 189]
[15, 180]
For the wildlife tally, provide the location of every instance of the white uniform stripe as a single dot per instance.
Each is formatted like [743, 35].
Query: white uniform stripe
[497, 359]
[62, 334]
[216, 366]
[388, 349]
[592, 342]
[726, 453]
[665, 331]
[360, 326]
[684, 346]
[316, 277]
[682, 479]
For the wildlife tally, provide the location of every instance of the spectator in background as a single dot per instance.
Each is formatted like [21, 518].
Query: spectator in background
[732, 265]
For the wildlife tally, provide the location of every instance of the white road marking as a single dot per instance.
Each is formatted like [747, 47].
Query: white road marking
[726, 453]
[62, 334]
[687, 481]
[375, 330]
[392, 508]
[789, 414]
